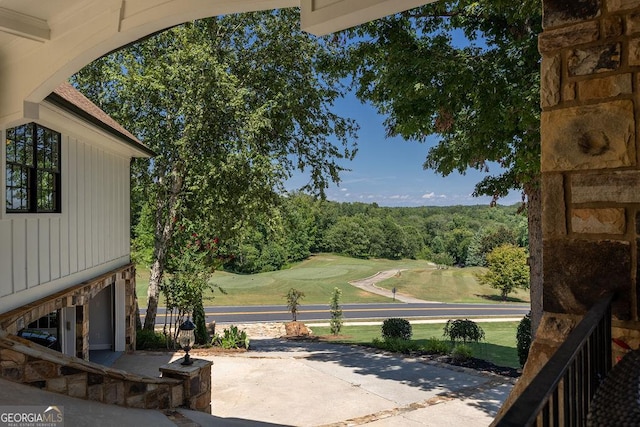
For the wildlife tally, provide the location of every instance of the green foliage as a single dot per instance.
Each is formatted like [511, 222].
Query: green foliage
[463, 329]
[461, 353]
[481, 98]
[336, 312]
[396, 328]
[487, 239]
[190, 268]
[523, 339]
[436, 346]
[150, 340]
[293, 301]
[300, 225]
[348, 236]
[442, 260]
[508, 269]
[199, 319]
[396, 345]
[227, 133]
[142, 241]
[232, 338]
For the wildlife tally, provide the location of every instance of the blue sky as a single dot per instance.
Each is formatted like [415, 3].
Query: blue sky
[388, 171]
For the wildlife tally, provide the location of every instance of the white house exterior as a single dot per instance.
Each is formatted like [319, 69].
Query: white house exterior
[65, 252]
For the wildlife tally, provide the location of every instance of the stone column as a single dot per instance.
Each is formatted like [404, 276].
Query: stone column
[82, 331]
[591, 195]
[196, 379]
[590, 99]
[131, 300]
[589, 156]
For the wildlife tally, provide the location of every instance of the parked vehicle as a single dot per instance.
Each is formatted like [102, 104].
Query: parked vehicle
[40, 337]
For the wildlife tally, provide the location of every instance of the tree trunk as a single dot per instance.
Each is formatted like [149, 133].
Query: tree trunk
[167, 211]
[534, 197]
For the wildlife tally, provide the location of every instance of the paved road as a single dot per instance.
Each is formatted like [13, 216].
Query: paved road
[279, 313]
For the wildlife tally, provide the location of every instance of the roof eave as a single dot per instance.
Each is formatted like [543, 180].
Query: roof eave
[61, 102]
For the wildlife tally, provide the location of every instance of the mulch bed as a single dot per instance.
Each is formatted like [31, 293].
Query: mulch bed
[476, 364]
[471, 363]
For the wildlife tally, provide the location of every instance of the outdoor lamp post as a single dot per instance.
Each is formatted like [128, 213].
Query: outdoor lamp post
[186, 338]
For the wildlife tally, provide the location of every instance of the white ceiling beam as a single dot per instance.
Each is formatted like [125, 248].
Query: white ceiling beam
[322, 17]
[25, 26]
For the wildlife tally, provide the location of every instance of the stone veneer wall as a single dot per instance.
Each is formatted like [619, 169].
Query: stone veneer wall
[591, 195]
[25, 362]
[590, 98]
[79, 297]
[196, 379]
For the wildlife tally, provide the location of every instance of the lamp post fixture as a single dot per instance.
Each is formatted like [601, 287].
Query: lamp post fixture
[186, 339]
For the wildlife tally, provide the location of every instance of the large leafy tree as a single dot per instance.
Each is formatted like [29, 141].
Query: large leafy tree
[231, 106]
[508, 269]
[467, 72]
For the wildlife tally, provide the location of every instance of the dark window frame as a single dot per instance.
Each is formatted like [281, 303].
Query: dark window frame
[33, 172]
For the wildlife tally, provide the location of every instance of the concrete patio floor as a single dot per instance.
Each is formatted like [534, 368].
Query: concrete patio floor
[300, 383]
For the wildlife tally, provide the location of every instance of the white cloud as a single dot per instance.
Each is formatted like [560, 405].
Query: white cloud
[429, 195]
[344, 189]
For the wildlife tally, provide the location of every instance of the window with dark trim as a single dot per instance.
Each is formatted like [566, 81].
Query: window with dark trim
[33, 169]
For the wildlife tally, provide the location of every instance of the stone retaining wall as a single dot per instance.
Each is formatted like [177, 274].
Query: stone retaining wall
[25, 362]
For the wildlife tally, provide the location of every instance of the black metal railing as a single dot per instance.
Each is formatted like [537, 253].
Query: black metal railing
[561, 393]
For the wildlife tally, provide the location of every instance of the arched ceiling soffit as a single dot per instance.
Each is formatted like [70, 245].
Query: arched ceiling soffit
[42, 43]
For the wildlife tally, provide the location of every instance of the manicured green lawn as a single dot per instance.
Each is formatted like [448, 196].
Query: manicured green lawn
[449, 285]
[498, 347]
[318, 275]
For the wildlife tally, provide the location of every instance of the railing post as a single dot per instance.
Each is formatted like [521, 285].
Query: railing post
[577, 367]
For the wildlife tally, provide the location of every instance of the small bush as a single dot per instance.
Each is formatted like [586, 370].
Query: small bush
[396, 328]
[523, 338]
[199, 319]
[232, 338]
[464, 330]
[436, 346]
[396, 345]
[293, 301]
[336, 312]
[150, 340]
[461, 353]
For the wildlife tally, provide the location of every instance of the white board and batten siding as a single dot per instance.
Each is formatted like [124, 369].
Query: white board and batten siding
[41, 254]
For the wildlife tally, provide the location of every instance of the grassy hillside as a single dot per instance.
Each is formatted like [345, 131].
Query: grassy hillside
[450, 285]
[317, 277]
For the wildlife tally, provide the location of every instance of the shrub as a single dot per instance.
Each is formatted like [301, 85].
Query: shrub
[465, 330]
[396, 345]
[436, 346]
[396, 328]
[523, 338]
[293, 301]
[232, 338]
[336, 312]
[461, 353]
[199, 319]
[150, 340]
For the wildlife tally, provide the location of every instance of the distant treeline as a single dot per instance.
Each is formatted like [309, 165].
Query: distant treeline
[302, 225]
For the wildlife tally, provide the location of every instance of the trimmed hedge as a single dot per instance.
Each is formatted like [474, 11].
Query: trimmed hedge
[395, 328]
